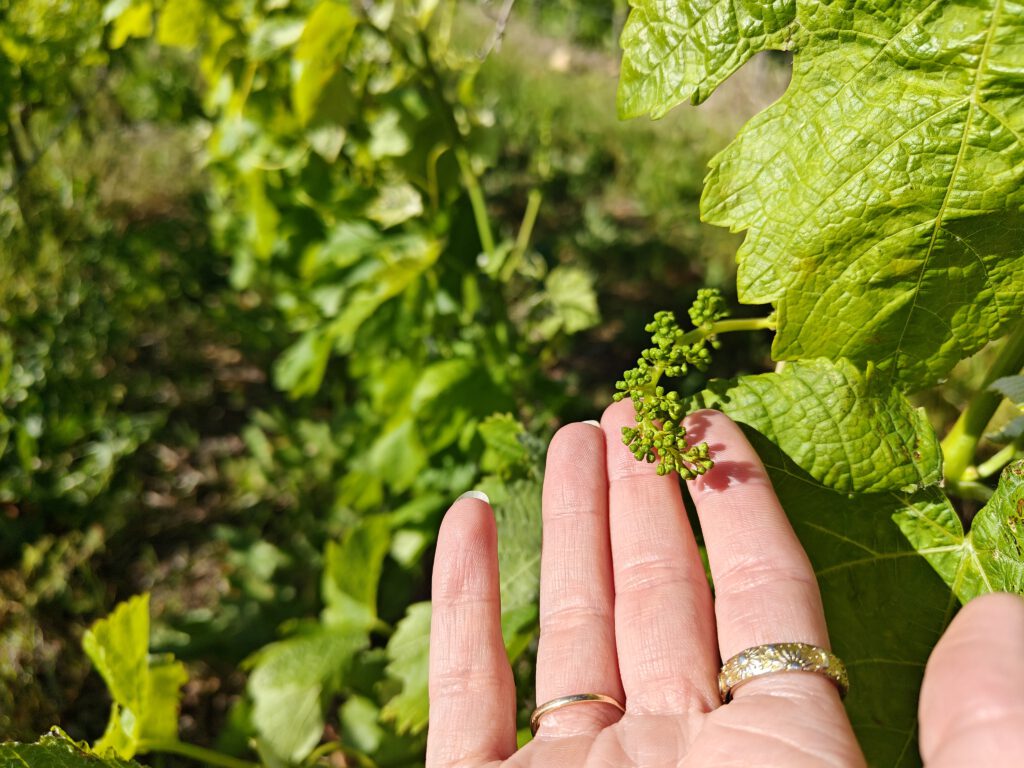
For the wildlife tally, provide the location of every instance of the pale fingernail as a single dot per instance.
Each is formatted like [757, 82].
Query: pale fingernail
[479, 495]
[595, 422]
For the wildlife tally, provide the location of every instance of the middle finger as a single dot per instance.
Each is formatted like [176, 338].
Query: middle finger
[664, 618]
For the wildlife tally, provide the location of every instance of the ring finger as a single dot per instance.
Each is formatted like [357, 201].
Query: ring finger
[576, 652]
[765, 589]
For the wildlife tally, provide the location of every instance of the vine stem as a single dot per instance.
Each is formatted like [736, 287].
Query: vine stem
[960, 444]
[999, 460]
[729, 326]
[476, 200]
[721, 326]
[200, 754]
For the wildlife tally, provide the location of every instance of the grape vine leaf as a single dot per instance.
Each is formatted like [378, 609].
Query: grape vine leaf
[320, 54]
[57, 750]
[883, 194]
[351, 575]
[145, 689]
[291, 682]
[518, 517]
[676, 52]
[989, 557]
[850, 431]
[1010, 387]
[408, 662]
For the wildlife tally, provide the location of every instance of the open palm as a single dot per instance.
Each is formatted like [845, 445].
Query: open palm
[626, 611]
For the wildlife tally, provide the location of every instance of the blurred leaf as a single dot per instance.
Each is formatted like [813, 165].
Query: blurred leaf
[570, 301]
[145, 690]
[352, 569]
[181, 23]
[319, 54]
[409, 654]
[425, 12]
[1009, 432]
[518, 518]
[327, 141]
[300, 369]
[400, 261]
[359, 724]
[347, 243]
[398, 456]
[394, 204]
[1010, 387]
[132, 18]
[292, 681]
[57, 750]
[388, 137]
[504, 450]
[990, 557]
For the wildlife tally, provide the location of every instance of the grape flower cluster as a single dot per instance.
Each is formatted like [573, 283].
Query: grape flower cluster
[659, 435]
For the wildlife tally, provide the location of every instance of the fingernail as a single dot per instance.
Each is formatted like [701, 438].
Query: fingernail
[595, 422]
[479, 495]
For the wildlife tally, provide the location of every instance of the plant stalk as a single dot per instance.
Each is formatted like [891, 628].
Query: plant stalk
[194, 752]
[960, 444]
[729, 326]
[999, 460]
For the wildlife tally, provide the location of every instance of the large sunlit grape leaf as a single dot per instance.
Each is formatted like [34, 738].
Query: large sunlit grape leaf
[990, 557]
[850, 431]
[56, 750]
[145, 688]
[882, 195]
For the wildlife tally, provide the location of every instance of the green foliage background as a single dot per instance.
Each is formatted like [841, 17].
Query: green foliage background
[279, 279]
[255, 336]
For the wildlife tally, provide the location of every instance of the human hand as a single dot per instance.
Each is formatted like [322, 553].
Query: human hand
[972, 701]
[626, 611]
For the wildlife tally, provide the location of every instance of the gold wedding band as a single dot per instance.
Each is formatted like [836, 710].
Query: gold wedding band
[781, 657]
[568, 701]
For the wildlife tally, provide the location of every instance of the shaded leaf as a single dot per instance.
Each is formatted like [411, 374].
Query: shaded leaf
[1012, 430]
[1010, 387]
[990, 557]
[57, 750]
[885, 606]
